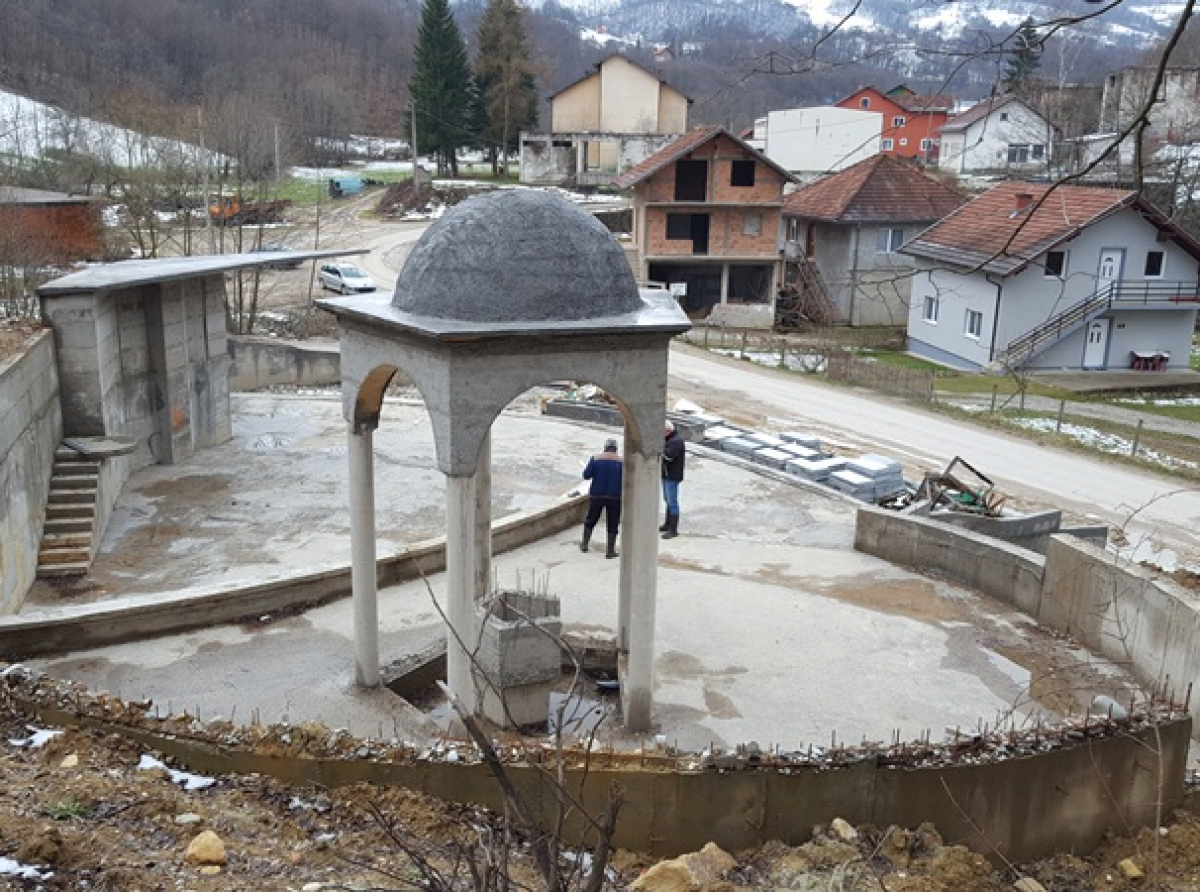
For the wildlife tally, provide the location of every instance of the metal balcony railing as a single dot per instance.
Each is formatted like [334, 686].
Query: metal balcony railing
[1117, 294]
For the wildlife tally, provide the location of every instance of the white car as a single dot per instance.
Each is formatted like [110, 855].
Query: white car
[344, 278]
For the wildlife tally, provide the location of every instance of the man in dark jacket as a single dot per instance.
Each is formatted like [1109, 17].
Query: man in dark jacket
[673, 458]
[604, 470]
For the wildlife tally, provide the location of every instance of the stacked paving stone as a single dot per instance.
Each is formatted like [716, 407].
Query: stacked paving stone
[869, 478]
[884, 477]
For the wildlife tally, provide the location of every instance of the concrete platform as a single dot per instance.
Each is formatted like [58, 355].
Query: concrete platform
[1119, 380]
[770, 626]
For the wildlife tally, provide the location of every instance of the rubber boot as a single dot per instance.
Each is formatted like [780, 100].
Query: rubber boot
[666, 524]
[587, 537]
[672, 529]
[612, 546]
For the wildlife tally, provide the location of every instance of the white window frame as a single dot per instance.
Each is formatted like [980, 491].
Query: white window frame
[1059, 275]
[886, 144]
[889, 240]
[898, 121]
[973, 324]
[926, 145]
[903, 140]
[864, 102]
[930, 308]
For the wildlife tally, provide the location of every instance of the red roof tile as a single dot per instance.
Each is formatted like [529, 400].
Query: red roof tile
[1010, 225]
[672, 152]
[878, 189]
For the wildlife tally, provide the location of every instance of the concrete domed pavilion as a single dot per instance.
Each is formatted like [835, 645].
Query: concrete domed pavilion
[507, 291]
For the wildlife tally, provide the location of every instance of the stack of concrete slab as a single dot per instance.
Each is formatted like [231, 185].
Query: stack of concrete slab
[742, 447]
[718, 434]
[815, 469]
[853, 484]
[768, 440]
[773, 458]
[794, 450]
[885, 474]
[799, 438]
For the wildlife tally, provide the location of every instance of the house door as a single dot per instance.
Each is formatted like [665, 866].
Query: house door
[1111, 260]
[1096, 349]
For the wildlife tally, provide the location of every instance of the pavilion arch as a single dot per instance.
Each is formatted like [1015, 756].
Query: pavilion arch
[508, 291]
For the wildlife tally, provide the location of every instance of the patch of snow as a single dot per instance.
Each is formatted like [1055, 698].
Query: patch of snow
[30, 129]
[37, 738]
[1110, 443]
[11, 868]
[182, 778]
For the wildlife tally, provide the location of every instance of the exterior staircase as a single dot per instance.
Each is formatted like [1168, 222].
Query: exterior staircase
[1122, 294]
[67, 538]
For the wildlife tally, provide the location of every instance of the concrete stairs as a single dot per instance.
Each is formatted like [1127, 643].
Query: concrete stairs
[67, 538]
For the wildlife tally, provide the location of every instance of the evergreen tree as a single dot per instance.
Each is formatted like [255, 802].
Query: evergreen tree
[441, 87]
[1024, 59]
[505, 76]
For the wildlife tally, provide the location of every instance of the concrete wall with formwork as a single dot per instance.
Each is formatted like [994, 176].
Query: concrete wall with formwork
[519, 656]
[1062, 793]
[999, 569]
[1125, 612]
[1111, 606]
[30, 433]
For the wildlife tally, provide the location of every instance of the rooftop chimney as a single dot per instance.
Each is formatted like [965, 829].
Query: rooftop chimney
[1023, 200]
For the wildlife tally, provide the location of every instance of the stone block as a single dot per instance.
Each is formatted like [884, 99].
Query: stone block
[773, 458]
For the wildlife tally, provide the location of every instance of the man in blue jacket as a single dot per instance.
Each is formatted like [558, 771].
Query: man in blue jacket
[604, 470]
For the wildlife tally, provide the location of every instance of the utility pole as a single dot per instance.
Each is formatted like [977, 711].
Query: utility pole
[412, 117]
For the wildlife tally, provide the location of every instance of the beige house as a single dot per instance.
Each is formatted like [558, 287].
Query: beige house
[603, 124]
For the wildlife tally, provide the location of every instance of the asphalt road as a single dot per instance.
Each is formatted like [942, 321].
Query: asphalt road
[1160, 515]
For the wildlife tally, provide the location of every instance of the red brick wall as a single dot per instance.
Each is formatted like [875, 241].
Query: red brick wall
[725, 232]
[727, 206]
[50, 233]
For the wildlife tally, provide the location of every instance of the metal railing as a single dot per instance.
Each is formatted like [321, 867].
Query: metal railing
[1125, 294]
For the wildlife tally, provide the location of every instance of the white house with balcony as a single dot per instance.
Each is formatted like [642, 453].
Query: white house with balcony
[1000, 134]
[1035, 276]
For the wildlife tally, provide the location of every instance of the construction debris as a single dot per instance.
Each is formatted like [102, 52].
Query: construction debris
[945, 490]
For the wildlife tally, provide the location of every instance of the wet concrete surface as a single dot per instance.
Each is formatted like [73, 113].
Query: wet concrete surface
[770, 627]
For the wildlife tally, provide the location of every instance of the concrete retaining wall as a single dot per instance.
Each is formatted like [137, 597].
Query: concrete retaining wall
[128, 619]
[1122, 611]
[29, 434]
[1112, 607]
[1001, 570]
[1020, 809]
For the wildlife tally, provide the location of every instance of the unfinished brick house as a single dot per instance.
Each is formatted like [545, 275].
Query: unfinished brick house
[708, 223]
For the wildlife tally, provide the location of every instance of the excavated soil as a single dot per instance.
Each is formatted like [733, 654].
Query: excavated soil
[84, 810]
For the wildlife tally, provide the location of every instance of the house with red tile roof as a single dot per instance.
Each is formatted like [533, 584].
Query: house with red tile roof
[1040, 276]
[708, 222]
[844, 234]
[910, 121]
[1001, 134]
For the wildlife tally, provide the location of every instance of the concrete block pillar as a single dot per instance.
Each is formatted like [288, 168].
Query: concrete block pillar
[483, 520]
[363, 578]
[462, 554]
[640, 543]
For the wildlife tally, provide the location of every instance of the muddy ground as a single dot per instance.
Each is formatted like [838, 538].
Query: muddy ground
[85, 810]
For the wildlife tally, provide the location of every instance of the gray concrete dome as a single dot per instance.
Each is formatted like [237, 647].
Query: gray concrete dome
[516, 255]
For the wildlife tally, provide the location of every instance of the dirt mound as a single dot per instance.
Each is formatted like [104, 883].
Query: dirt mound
[406, 199]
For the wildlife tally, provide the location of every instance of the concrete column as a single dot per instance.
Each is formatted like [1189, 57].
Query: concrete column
[483, 520]
[724, 283]
[640, 518]
[628, 536]
[363, 576]
[461, 553]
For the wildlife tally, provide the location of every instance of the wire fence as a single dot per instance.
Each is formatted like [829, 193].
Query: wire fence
[818, 354]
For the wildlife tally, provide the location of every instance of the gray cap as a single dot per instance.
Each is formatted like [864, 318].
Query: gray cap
[610, 445]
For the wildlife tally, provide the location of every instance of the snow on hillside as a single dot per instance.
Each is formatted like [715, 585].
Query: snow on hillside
[30, 129]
